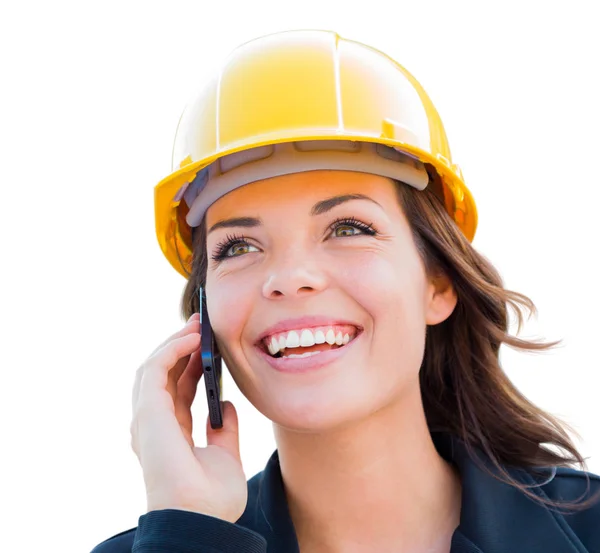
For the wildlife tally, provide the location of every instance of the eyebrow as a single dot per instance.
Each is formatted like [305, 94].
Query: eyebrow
[326, 205]
[318, 209]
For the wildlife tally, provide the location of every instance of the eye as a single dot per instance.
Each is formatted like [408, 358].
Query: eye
[345, 227]
[344, 230]
[232, 246]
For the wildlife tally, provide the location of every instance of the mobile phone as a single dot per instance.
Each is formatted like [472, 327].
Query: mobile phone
[211, 365]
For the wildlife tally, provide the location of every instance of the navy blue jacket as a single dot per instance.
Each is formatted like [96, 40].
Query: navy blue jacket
[495, 517]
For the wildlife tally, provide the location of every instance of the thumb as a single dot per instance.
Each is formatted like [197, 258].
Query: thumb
[227, 437]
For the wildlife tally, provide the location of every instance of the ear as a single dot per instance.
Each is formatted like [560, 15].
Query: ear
[441, 299]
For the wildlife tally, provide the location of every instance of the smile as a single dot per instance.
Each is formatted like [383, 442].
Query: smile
[309, 341]
[308, 359]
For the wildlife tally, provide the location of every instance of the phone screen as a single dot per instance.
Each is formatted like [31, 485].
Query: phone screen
[211, 365]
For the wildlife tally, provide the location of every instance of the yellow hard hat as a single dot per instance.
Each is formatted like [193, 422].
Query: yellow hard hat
[298, 101]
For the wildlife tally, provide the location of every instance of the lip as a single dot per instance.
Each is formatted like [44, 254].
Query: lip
[305, 322]
[307, 364]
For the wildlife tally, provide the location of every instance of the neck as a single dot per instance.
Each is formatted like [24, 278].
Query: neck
[378, 484]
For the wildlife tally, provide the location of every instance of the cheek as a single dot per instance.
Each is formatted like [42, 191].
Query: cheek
[388, 287]
[391, 292]
[231, 302]
[229, 305]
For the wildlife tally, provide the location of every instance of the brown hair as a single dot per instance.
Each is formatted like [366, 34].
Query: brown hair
[464, 389]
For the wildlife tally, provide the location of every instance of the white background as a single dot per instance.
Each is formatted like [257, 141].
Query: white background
[91, 95]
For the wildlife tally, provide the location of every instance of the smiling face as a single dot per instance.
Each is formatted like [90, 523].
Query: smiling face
[326, 260]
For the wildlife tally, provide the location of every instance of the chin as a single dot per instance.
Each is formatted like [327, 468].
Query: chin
[314, 414]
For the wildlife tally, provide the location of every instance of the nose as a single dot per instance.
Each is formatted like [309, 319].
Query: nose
[294, 276]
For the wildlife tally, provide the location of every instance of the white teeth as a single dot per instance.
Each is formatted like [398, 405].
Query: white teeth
[307, 339]
[293, 340]
[273, 346]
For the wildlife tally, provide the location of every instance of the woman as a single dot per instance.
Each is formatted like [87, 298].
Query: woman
[315, 201]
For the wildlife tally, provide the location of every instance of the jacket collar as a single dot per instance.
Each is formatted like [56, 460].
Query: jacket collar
[495, 517]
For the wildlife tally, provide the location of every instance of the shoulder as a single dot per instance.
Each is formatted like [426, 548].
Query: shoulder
[119, 543]
[568, 476]
[576, 486]
[568, 484]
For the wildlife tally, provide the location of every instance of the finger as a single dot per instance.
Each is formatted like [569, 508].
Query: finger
[187, 385]
[176, 372]
[157, 356]
[174, 375]
[187, 329]
[152, 428]
[156, 372]
[186, 392]
[227, 437]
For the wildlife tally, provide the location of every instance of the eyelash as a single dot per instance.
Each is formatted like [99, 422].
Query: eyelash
[231, 240]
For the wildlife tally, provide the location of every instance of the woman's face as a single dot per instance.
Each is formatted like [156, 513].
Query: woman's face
[334, 248]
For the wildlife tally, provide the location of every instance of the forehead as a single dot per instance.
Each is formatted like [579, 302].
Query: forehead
[300, 191]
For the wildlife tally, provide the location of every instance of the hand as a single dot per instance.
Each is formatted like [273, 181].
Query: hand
[208, 480]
